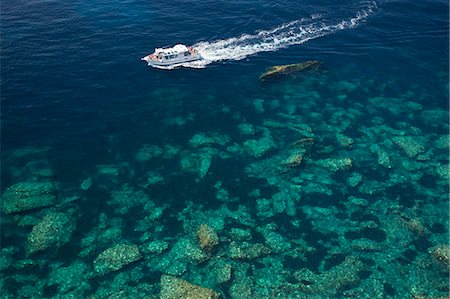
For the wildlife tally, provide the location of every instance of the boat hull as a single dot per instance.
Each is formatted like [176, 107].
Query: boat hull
[171, 57]
[170, 63]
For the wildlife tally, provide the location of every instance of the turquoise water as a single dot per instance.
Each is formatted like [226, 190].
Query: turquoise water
[327, 183]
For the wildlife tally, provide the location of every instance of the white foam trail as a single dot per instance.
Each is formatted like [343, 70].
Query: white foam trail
[288, 34]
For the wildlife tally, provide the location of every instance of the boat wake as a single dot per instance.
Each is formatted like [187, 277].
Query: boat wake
[283, 36]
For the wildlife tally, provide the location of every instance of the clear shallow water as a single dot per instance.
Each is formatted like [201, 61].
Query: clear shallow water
[74, 88]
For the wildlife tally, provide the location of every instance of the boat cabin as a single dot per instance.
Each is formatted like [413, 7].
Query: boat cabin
[175, 52]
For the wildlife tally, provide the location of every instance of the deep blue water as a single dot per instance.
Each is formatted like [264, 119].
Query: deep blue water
[72, 80]
[68, 68]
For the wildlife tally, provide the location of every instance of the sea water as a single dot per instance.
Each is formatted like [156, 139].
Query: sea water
[119, 179]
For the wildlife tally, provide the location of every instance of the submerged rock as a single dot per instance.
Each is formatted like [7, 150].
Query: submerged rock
[409, 145]
[54, 230]
[187, 251]
[328, 282]
[246, 129]
[258, 104]
[6, 257]
[344, 140]
[175, 288]
[86, 184]
[30, 151]
[153, 178]
[148, 152]
[355, 179]
[260, 147]
[207, 237]
[289, 69]
[114, 258]
[69, 278]
[246, 250]
[335, 164]
[199, 162]
[108, 170]
[295, 159]
[203, 139]
[220, 271]
[126, 198]
[184, 252]
[155, 247]
[441, 255]
[28, 195]
[383, 158]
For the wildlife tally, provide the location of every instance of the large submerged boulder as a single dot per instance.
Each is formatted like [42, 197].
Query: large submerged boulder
[114, 258]
[289, 69]
[174, 288]
[25, 196]
[258, 148]
[53, 230]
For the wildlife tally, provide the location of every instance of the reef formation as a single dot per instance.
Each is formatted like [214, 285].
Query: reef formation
[280, 71]
[324, 188]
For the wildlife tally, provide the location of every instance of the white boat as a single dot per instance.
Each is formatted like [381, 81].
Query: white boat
[169, 57]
